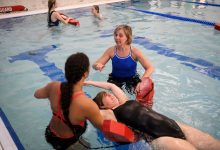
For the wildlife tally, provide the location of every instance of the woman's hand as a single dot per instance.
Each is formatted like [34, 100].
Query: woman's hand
[98, 66]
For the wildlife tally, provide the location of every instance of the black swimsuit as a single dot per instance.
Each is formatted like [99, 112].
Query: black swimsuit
[50, 22]
[147, 121]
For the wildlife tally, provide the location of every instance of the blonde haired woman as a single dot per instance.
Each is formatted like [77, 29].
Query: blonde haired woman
[124, 58]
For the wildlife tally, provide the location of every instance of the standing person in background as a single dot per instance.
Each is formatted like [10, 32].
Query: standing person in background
[96, 12]
[69, 104]
[124, 60]
[54, 17]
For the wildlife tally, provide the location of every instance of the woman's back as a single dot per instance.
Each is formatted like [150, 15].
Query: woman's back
[58, 122]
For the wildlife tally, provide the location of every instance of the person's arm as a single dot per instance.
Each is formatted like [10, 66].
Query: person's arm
[93, 114]
[146, 64]
[59, 17]
[121, 96]
[43, 92]
[100, 63]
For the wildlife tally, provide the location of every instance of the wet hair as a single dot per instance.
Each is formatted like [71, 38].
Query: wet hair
[96, 8]
[127, 30]
[98, 99]
[50, 5]
[75, 67]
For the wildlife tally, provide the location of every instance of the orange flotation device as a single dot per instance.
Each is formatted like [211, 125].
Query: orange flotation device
[71, 21]
[74, 22]
[7, 9]
[145, 92]
[217, 26]
[117, 132]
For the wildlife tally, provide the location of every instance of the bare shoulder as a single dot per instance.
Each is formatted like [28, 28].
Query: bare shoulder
[136, 53]
[85, 102]
[54, 85]
[111, 49]
[135, 50]
[56, 13]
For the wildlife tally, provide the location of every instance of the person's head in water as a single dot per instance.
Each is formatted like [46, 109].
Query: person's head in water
[106, 100]
[95, 8]
[124, 33]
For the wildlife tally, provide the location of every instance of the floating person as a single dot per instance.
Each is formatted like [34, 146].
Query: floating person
[155, 127]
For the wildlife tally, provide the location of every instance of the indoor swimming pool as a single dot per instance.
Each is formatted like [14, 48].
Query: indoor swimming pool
[178, 37]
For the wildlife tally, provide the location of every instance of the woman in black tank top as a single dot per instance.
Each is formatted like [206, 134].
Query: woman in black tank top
[156, 126]
[54, 17]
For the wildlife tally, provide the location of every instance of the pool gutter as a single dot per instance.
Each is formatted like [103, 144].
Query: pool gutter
[27, 13]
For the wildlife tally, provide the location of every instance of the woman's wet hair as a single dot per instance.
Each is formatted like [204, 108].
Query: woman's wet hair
[96, 8]
[75, 68]
[50, 5]
[127, 30]
[98, 99]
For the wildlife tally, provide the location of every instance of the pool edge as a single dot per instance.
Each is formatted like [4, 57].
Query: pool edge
[27, 13]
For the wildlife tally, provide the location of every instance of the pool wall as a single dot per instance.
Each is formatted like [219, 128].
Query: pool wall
[40, 6]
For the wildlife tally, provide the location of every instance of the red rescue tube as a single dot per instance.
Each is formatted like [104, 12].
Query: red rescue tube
[117, 132]
[71, 21]
[145, 92]
[217, 26]
[74, 22]
[7, 9]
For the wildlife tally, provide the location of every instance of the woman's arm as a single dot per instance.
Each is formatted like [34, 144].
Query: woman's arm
[93, 114]
[146, 64]
[43, 92]
[100, 63]
[121, 96]
[59, 17]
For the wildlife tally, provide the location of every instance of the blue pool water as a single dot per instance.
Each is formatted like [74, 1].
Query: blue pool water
[177, 36]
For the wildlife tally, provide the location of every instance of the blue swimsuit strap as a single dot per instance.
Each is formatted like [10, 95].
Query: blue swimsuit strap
[115, 53]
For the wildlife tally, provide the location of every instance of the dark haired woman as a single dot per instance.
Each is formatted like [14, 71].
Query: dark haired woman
[163, 132]
[55, 17]
[69, 104]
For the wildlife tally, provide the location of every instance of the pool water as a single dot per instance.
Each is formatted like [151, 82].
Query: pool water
[185, 56]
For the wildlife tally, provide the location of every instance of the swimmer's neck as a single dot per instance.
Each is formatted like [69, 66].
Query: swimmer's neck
[123, 47]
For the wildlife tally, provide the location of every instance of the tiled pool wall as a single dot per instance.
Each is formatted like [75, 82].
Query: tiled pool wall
[33, 5]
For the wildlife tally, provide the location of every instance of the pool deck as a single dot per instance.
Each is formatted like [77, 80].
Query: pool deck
[5, 137]
[34, 10]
